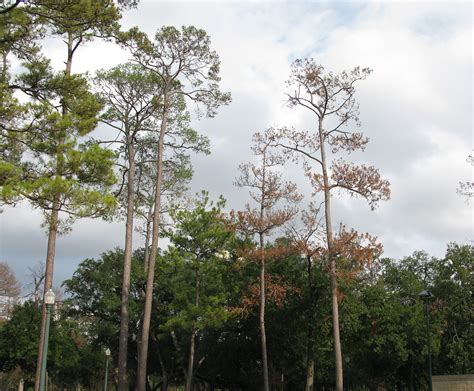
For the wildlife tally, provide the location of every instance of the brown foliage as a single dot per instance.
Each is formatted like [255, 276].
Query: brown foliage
[266, 188]
[265, 183]
[252, 221]
[325, 93]
[276, 291]
[254, 253]
[331, 98]
[355, 252]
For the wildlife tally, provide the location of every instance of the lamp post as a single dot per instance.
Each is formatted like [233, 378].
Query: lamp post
[426, 296]
[107, 356]
[49, 298]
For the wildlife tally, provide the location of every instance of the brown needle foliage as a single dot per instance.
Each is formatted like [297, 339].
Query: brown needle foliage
[266, 189]
[331, 98]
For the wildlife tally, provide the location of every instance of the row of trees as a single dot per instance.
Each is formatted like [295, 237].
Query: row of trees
[145, 103]
[50, 158]
[206, 326]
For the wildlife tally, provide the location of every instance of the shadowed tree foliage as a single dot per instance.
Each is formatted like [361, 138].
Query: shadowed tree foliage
[382, 321]
[202, 240]
[453, 286]
[72, 359]
[307, 241]
[95, 300]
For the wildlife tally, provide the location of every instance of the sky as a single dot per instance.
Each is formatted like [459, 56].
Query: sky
[416, 108]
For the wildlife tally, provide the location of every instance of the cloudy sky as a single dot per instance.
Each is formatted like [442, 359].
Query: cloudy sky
[416, 108]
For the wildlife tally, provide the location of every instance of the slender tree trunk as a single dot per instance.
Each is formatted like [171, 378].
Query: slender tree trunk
[263, 335]
[127, 265]
[179, 351]
[147, 239]
[189, 375]
[48, 281]
[333, 267]
[310, 342]
[164, 383]
[310, 369]
[142, 359]
[53, 228]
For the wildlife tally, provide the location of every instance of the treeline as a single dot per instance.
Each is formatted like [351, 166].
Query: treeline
[49, 155]
[225, 305]
[383, 327]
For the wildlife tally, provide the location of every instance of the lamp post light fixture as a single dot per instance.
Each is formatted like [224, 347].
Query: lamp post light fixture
[49, 298]
[107, 356]
[426, 296]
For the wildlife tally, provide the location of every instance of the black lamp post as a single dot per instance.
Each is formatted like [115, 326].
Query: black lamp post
[49, 299]
[426, 296]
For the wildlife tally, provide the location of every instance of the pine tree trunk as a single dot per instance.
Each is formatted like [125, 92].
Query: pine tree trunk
[147, 239]
[142, 359]
[263, 335]
[127, 265]
[189, 374]
[48, 282]
[164, 383]
[178, 350]
[310, 342]
[53, 229]
[333, 267]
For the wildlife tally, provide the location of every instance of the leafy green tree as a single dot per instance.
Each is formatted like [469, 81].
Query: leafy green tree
[188, 68]
[389, 313]
[72, 359]
[95, 300]
[201, 240]
[49, 167]
[453, 286]
[132, 94]
[18, 35]
[129, 93]
[23, 328]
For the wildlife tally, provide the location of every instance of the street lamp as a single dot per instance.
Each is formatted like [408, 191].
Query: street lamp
[49, 298]
[426, 296]
[107, 356]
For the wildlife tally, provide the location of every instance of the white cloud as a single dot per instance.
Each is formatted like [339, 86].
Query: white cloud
[416, 108]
